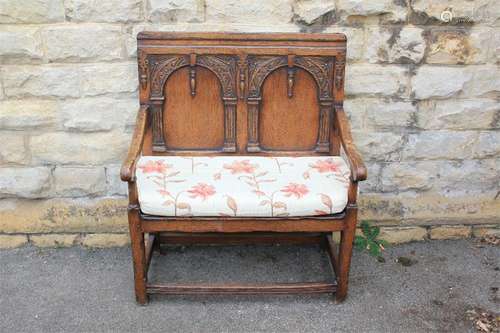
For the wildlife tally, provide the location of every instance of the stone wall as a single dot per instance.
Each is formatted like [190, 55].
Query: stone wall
[423, 87]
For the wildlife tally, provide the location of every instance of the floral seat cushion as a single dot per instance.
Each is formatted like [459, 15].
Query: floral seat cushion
[242, 185]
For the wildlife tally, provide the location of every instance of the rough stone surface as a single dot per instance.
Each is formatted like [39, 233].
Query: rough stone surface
[372, 8]
[458, 114]
[13, 148]
[439, 82]
[104, 11]
[44, 81]
[79, 148]
[97, 114]
[24, 182]
[459, 46]
[82, 42]
[403, 234]
[487, 230]
[488, 145]
[105, 240]
[77, 182]
[20, 44]
[27, 114]
[114, 184]
[96, 215]
[309, 11]
[356, 40]
[441, 145]
[382, 146]
[485, 82]
[400, 176]
[254, 12]
[12, 241]
[176, 10]
[389, 114]
[54, 240]
[450, 232]
[375, 80]
[395, 45]
[103, 79]
[430, 208]
[31, 11]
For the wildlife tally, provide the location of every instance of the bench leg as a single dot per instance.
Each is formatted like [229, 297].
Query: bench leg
[138, 255]
[345, 253]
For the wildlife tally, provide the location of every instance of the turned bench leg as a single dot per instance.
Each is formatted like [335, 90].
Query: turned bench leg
[138, 255]
[345, 252]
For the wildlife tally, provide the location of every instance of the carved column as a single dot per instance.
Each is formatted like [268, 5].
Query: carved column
[229, 125]
[325, 111]
[253, 144]
[321, 69]
[157, 124]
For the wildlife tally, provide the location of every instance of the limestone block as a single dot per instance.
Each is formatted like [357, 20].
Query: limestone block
[440, 145]
[31, 11]
[79, 181]
[104, 11]
[395, 44]
[79, 148]
[364, 79]
[12, 241]
[27, 114]
[381, 146]
[54, 240]
[12, 149]
[105, 240]
[20, 44]
[310, 11]
[98, 114]
[439, 82]
[450, 232]
[458, 114]
[93, 215]
[399, 235]
[24, 182]
[171, 11]
[82, 42]
[265, 13]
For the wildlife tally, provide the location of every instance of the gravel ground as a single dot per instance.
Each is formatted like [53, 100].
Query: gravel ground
[82, 290]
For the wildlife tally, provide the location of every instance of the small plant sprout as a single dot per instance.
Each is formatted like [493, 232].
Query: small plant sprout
[369, 241]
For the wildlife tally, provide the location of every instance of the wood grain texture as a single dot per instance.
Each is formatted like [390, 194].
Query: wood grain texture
[127, 172]
[289, 123]
[242, 289]
[193, 122]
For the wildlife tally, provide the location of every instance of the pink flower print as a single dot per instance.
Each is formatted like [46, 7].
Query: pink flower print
[201, 190]
[327, 165]
[241, 167]
[154, 167]
[298, 190]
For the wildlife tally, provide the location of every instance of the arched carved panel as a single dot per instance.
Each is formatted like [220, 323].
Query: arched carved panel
[161, 68]
[289, 122]
[321, 69]
[193, 122]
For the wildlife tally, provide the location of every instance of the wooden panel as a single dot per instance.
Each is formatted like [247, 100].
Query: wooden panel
[193, 122]
[289, 123]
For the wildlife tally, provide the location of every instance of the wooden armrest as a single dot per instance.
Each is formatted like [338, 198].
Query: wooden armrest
[358, 168]
[127, 172]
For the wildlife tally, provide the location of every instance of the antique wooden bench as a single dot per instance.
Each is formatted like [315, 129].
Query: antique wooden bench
[241, 138]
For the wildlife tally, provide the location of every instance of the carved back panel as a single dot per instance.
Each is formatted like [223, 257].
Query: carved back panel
[214, 93]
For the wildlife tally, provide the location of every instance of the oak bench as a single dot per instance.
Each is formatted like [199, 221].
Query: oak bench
[241, 138]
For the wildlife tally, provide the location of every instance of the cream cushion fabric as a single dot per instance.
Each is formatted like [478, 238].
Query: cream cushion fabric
[242, 185]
